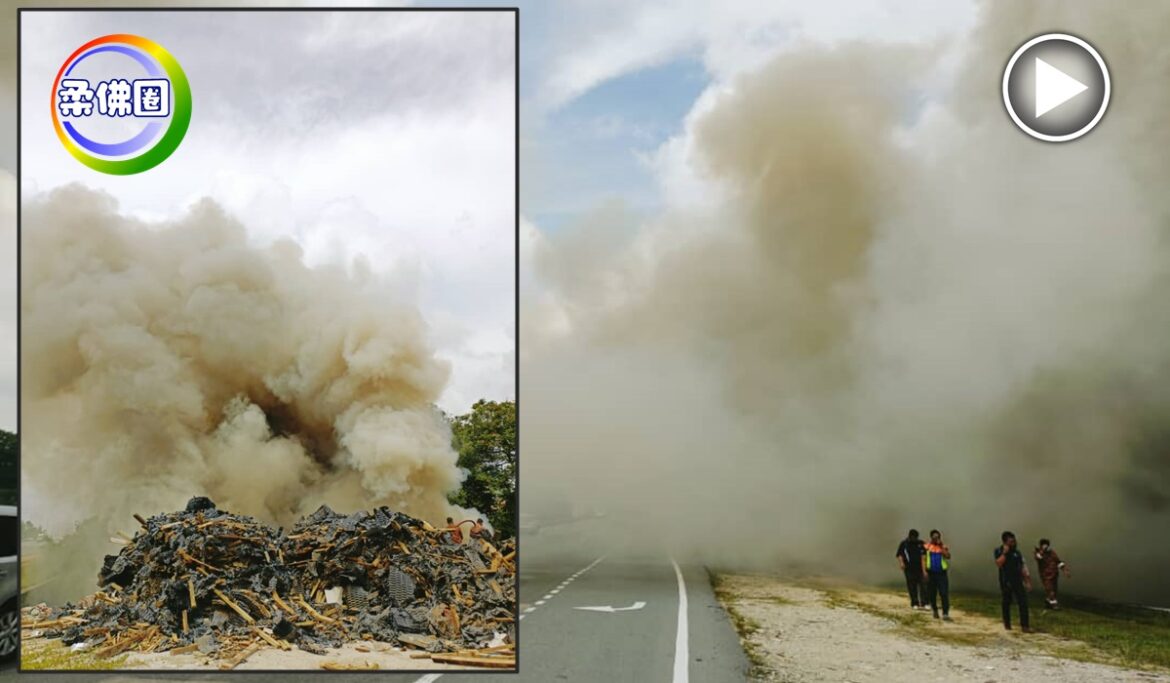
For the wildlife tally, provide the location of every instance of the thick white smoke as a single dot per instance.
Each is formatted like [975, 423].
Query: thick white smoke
[162, 361]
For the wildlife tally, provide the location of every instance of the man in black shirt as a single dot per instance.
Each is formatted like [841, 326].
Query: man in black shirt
[910, 560]
[1014, 580]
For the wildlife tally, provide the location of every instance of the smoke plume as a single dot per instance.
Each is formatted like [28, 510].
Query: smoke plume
[162, 361]
[892, 310]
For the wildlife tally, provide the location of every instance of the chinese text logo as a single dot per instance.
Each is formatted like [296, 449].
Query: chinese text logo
[121, 104]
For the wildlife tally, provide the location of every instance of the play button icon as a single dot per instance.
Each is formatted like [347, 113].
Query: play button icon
[1056, 87]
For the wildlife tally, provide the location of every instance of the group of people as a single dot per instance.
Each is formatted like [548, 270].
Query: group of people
[925, 566]
[478, 530]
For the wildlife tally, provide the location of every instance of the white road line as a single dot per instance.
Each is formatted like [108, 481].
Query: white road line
[433, 677]
[681, 656]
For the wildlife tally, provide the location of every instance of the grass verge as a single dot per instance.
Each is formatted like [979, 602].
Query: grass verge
[1131, 636]
[51, 655]
[1083, 629]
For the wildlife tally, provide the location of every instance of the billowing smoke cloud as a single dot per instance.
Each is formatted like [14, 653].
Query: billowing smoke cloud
[893, 310]
[162, 361]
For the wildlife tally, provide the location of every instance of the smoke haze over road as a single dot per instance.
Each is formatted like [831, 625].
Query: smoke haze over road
[888, 309]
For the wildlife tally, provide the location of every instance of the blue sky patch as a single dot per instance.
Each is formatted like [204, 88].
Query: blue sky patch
[587, 152]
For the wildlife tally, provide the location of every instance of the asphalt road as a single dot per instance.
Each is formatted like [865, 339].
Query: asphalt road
[558, 642]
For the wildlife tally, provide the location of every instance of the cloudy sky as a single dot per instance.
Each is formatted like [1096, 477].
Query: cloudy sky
[383, 137]
[607, 89]
[605, 120]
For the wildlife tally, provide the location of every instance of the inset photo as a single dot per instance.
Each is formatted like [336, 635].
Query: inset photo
[267, 348]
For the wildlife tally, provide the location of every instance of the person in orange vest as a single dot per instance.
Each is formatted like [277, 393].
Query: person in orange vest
[936, 560]
[454, 532]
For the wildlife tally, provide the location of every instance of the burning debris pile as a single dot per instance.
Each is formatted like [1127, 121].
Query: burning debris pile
[227, 585]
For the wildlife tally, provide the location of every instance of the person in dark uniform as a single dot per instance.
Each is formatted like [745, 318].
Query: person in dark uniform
[910, 560]
[1014, 580]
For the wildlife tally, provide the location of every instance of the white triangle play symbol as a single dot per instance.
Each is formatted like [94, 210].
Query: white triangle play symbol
[1054, 87]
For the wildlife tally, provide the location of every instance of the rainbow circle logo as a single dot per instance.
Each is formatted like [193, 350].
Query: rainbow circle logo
[160, 99]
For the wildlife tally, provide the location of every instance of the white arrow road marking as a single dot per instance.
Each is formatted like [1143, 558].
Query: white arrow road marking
[608, 608]
[431, 678]
[681, 656]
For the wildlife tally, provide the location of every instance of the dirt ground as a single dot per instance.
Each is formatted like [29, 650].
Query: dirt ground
[381, 656]
[801, 633]
[385, 657]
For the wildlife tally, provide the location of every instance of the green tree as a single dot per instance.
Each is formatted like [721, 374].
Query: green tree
[485, 439]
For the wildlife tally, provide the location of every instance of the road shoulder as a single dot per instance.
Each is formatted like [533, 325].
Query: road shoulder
[825, 631]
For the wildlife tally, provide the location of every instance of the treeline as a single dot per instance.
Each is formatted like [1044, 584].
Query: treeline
[485, 439]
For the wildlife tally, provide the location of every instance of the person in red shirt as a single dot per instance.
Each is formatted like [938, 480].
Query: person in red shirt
[478, 530]
[454, 532]
[1051, 567]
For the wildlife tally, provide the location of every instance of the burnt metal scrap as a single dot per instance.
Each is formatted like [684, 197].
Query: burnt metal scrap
[206, 580]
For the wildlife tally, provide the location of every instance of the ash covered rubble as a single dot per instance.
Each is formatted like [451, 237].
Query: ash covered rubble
[226, 585]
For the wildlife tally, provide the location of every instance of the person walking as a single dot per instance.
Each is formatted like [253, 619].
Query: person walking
[936, 560]
[1014, 580]
[909, 556]
[1050, 567]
